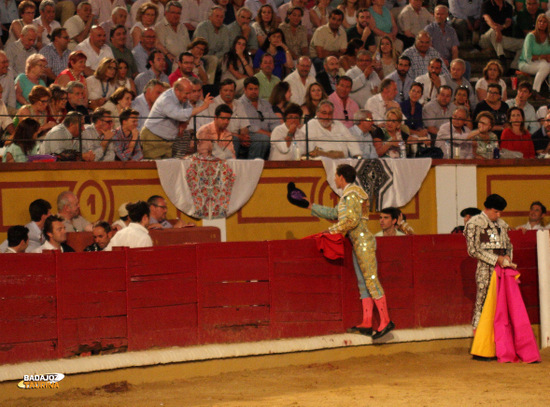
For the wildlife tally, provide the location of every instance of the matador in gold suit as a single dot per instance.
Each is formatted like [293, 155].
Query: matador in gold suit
[352, 214]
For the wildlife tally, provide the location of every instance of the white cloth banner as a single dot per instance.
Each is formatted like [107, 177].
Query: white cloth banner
[173, 174]
[393, 182]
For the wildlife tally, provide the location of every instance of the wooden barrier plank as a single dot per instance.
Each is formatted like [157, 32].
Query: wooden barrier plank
[162, 290]
[229, 316]
[163, 318]
[31, 306]
[27, 330]
[162, 260]
[300, 329]
[236, 333]
[165, 338]
[92, 304]
[234, 294]
[28, 351]
[315, 302]
[214, 269]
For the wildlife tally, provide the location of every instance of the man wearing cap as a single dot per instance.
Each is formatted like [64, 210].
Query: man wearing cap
[467, 214]
[123, 220]
[488, 241]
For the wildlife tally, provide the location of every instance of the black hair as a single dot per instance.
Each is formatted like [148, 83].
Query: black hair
[17, 234]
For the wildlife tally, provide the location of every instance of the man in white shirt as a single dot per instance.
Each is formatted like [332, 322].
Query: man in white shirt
[136, 234]
[388, 222]
[536, 214]
[431, 81]
[95, 48]
[55, 234]
[46, 20]
[18, 239]
[365, 79]
[299, 81]
[79, 26]
[361, 132]
[287, 139]
[381, 102]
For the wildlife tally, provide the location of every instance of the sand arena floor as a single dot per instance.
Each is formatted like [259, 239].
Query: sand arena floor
[439, 373]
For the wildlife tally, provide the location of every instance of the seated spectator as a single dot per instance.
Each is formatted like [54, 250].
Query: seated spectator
[186, 63]
[6, 80]
[157, 219]
[541, 138]
[300, 80]
[421, 55]
[389, 138]
[58, 104]
[384, 23]
[56, 53]
[328, 137]
[157, 66]
[280, 98]
[349, 8]
[215, 33]
[217, 135]
[262, 121]
[344, 106]
[462, 98]
[65, 137]
[401, 78]
[146, 17]
[492, 73]
[18, 239]
[320, 13]
[466, 18]
[275, 45]
[484, 141]
[231, 9]
[457, 79]
[95, 49]
[19, 51]
[521, 101]
[295, 33]
[411, 20]
[241, 27]
[535, 51]
[121, 78]
[97, 137]
[118, 16]
[328, 40]
[102, 84]
[380, 103]
[516, 137]
[25, 82]
[74, 71]
[264, 23]
[77, 100]
[315, 93]
[466, 214]
[102, 234]
[265, 76]
[195, 99]
[68, 210]
[126, 137]
[37, 109]
[120, 100]
[362, 30]
[328, 77]
[527, 17]
[412, 110]
[287, 139]
[56, 236]
[494, 105]
[349, 59]
[361, 132]
[23, 143]
[385, 57]
[123, 218]
[27, 10]
[438, 111]
[432, 81]
[365, 79]
[237, 64]
[497, 31]
[6, 123]
[198, 48]
[172, 35]
[142, 51]
[388, 222]
[78, 26]
[536, 217]
[460, 136]
[120, 50]
[444, 38]
[136, 233]
[144, 102]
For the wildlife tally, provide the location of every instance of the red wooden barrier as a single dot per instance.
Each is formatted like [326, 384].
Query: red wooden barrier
[58, 305]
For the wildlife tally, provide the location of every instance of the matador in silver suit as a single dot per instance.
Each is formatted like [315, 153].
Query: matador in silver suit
[486, 240]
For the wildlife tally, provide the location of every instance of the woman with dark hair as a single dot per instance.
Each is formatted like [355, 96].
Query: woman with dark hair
[266, 21]
[37, 109]
[280, 97]
[314, 94]
[237, 64]
[295, 33]
[349, 59]
[275, 45]
[23, 142]
[58, 102]
[122, 78]
[101, 84]
[199, 47]
[121, 99]
[412, 110]
[516, 137]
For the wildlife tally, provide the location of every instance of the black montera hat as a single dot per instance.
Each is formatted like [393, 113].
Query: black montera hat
[495, 201]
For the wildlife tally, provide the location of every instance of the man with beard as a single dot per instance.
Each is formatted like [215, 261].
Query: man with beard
[186, 63]
[56, 236]
[431, 81]
[216, 134]
[438, 111]
[329, 39]
[329, 138]
[362, 30]
[329, 76]
[102, 233]
[299, 80]
[402, 79]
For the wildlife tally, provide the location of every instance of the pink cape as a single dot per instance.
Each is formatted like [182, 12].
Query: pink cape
[332, 246]
[514, 337]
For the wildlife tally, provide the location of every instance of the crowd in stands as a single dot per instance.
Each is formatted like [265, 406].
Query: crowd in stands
[105, 80]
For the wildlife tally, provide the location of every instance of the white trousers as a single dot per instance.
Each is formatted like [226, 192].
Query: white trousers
[541, 70]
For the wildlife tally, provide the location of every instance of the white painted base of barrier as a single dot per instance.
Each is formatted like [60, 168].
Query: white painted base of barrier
[220, 351]
[543, 255]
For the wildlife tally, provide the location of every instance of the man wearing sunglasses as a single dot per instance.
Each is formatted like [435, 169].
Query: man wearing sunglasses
[344, 106]
[97, 136]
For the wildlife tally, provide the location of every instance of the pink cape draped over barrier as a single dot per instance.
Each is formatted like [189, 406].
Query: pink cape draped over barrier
[332, 246]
